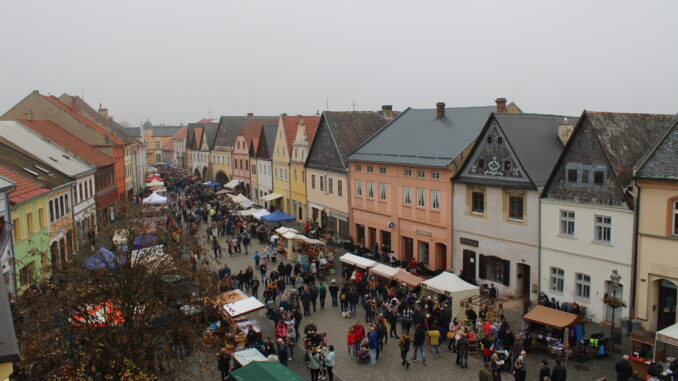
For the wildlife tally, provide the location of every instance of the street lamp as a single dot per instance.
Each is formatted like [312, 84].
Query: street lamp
[614, 283]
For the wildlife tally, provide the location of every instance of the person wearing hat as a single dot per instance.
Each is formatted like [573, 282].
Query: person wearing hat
[282, 351]
[334, 292]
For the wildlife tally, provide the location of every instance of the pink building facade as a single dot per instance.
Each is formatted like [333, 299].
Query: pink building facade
[408, 210]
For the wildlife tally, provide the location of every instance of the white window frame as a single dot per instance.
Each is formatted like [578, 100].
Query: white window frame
[566, 222]
[421, 197]
[358, 188]
[510, 208]
[556, 280]
[407, 195]
[674, 228]
[435, 175]
[421, 174]
[382, 191]
[582, 286]
[600, 227]
[382, 170]
[408, 172]
[370, 189]
[435, 199]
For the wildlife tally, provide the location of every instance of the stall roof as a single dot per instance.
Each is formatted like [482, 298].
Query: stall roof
[249, 212]
[270, 197]
[261, 213]
[550, 317]
[283, 230]
[668, 335]
[246, 204]
[155, 198]
[408, 278]
[249, 355]
[357, 261]
[155, 183]
[384, 271]
[243, 307]
[448, 283]
[232, 184]
[239, 198]
[260, 370]
[230, 297]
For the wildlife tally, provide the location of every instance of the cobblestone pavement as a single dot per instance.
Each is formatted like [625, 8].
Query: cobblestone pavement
[388, 366]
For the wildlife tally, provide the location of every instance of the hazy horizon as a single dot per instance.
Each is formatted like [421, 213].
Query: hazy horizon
[175, 62]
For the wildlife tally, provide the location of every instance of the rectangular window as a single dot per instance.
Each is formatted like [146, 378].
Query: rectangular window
[408, 172]
[478, 202]
[295, 174]
[507, 165]
[61, 207]
[339, 188]
[41, 216]
[16, 229]
[322, 183]
[80, 191]
[358, 188]
[675, 218]
[603, 229]
[481, 163]
[572, 175]
[357, 168]
[382, 169]
[435, 175]
[312, 181]
[557, 279]
[157, 144]
[29, 222]
[516, 205]
[421, 197]
[421, 174]
[567, 223]
[370, 168]
[51, 211]
[370, 189]
[598, 177]
[382, 191]
[330, 185]
[435, 199]
[495, 269]
[68, 204]
[303, 177]
[26, 274]
[582, 285]
[407, 195]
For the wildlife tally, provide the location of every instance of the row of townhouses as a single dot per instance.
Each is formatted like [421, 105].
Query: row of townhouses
[63, 166]
[560, 204]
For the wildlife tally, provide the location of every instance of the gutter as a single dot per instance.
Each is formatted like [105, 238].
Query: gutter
[634, 256]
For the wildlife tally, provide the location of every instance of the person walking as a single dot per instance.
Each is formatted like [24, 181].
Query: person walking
[329, 362]
[224, 364]
[283, 357]
[313, 290]
[545, 371]
[623, 369]
[305, 298]
[495, 367]
[257, 258]
[313, 362]
[559, 373]
[434, 341]
[419, 338]
[462, 351]
[404, 344]
[334, 292]
[322, 294]
[373, 342]
[254, 286]
[519, 369]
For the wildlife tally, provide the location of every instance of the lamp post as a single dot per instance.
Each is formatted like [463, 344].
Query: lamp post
[614, 283]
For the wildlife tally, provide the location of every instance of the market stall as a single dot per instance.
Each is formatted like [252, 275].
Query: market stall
[247, 356]
[249, 212]
[357, 261]
[554, 330]
[277, 216]
[642, 351]
[262, 212]
[408, 278]
[232, 307]
[452, 286]
[260, 370]
[382, 271]
[155, 199]
[232, 184]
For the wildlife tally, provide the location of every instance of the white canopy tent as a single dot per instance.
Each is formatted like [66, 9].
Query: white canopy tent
[384, 271]
[270, 197]
[249, 212]
[283, 230]
[261, 213]
[668, 335]
[246, 204]
[239, 198]
[357, 261]
[155, 183]
[232, 184]
[155, 199]
[243, 307]
[451, 285]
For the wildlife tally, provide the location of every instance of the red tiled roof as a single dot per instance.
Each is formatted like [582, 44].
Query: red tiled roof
[181, 134]
[206, 120]
[25, 189]
[255, 145]
[252, 130]
[198, 137]
[53, 132]
[166, 147]
[290, 124]
[81, 118]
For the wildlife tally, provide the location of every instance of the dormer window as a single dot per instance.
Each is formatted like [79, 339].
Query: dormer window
[489, 140]
[598, 177]
[500, 140]
[572, 175]
[481, 163]
[507, 165]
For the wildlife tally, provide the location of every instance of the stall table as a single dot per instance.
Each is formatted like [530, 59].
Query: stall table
[548, 327]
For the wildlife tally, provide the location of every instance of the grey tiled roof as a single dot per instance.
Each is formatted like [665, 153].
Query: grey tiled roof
[352, 128]
[165, 131]
[662, 161]
[134, 132]
[268, 133]
[417, 138]
[534, 140]
[233, 124]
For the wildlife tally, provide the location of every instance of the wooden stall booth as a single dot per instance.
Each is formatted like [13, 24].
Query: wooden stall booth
[642, 351]
[554, 330]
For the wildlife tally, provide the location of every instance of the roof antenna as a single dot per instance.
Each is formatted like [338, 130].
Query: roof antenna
[354, 105]
[327, 104]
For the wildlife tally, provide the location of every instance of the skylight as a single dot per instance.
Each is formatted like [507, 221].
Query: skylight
[66, 157]
[41, 168]
[31, 172]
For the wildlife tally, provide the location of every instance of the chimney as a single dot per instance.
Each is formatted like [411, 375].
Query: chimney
[250, 114]
[387, 110]
[565, 128]
[440, 110]
[283, 114]
[74, 103]
[501, 105]
[28, 116]
[103, 112]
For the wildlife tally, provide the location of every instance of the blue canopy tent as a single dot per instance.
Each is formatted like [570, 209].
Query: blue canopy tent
[146, 240]
[277, 216]
[212, 184]
[103, 258]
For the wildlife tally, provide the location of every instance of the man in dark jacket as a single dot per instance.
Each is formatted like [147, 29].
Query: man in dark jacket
[462, 351]
[418, 342]
[471, 316]
[544, 371]
[313, 290]
[623, 369]
[558, 373]
[305, 298]
[282, 352]
[334, 291]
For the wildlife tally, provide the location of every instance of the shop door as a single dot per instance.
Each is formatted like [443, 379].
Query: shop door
[423, 252]
[373, 240]
[523, 283]
[470, 265]
[360, 234]
[667, 305]
[343, 229]
[441, 256]
[386, 239]
[408, 247]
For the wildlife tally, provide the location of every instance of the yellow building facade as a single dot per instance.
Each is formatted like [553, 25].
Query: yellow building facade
[281, 165]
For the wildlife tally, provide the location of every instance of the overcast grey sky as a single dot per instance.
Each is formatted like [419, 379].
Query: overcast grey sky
[173, 61]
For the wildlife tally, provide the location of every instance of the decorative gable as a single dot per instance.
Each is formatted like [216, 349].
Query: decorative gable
[203, 143]
[494, 160]
[324, 154]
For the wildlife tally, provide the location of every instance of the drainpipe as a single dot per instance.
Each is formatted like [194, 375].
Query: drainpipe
[539, 256]
[634, 255]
